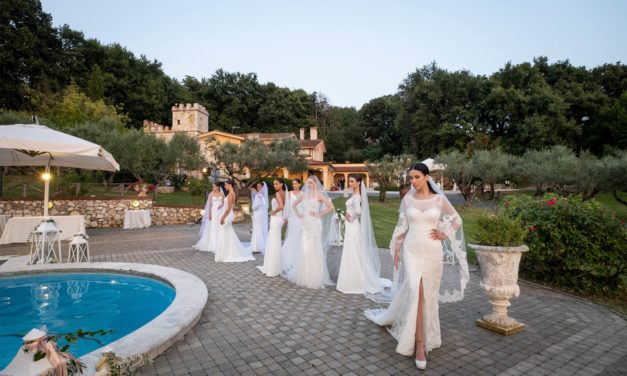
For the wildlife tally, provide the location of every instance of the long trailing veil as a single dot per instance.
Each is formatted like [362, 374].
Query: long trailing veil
[205, 216]
[286, 203]
[455, 275]
[374, 285]
[310, 193]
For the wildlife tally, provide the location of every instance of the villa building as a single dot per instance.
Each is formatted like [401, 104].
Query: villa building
[194, 120]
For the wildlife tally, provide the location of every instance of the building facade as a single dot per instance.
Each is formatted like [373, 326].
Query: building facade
[193, 119]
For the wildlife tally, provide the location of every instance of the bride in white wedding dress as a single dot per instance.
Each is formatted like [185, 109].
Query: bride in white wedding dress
[310, 266]
[259, 200]
[294, 233]
[230, 249]
[430, 265]
[210, 221]
[272, 259]
[360, 266]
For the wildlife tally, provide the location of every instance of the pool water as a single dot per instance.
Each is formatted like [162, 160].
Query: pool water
[66, 302]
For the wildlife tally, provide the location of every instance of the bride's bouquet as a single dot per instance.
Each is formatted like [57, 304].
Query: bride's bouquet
[338, 230]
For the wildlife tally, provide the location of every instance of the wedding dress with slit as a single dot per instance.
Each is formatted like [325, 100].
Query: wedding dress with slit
[424, 259]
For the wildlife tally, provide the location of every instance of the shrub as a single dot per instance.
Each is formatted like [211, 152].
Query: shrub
[575, 244]
[500, 230]
[196, 186]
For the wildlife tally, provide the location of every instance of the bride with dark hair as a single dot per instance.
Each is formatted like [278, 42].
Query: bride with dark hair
[230, 249]
[360, 266]
[259, 200]
[313, 207]
[272, 258]
[429, 265]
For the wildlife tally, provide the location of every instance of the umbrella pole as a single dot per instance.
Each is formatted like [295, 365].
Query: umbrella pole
[46, 191]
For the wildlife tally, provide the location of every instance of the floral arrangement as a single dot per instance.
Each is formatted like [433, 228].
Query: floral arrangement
[341, 223]
[63, 361]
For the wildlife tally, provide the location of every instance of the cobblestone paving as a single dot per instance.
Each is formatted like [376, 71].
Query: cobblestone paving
[257, 325]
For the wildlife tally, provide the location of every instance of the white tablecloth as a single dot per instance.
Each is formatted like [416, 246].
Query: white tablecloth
[4, 218]
[18, 229]
[136, 219]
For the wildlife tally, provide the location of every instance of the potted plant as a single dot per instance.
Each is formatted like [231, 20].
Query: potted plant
[499, 249]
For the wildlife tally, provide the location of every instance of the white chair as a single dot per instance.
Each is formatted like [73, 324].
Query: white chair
[78, 250]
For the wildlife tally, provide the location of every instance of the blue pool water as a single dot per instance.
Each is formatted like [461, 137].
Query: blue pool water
[68, 302]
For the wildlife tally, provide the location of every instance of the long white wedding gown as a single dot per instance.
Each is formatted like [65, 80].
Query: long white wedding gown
[272, 259]
[230, 249]
[214, 229]
[350, 278]
[310, 268]
[209, 238]
[259, 237]
[422, 258]
[293, 237]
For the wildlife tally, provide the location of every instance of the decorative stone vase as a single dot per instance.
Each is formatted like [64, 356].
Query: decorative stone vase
[499, 279]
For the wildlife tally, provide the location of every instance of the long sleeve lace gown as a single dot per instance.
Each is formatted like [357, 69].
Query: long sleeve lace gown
[350, 279]
[421, 259]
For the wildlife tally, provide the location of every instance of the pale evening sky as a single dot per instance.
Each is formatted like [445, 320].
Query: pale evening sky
[350, 50]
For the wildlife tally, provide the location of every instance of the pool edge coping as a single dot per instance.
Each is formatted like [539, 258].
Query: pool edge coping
[158, 334]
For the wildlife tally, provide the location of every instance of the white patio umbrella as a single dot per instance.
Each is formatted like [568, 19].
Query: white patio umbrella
[38, 145]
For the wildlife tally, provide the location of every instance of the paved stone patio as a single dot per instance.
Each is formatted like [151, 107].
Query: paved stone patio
[258, 325]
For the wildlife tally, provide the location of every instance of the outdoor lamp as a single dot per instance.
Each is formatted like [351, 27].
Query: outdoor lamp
[50, 205]
[202, 212]
[135, 203]
[205, 171]
[46, 176]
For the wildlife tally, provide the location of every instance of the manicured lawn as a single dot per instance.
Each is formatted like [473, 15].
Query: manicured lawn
[608, 200]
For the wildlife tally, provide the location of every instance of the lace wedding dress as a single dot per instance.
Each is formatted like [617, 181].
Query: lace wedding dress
[230, 249]
[350, 279]
[310, 268]
[423, 258]
[272, 258]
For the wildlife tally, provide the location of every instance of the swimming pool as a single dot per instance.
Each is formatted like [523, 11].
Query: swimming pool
[66, 302]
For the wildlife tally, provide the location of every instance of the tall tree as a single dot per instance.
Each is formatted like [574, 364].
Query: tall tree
[29, 52]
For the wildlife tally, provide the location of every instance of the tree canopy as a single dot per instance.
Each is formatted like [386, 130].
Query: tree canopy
[48, 71]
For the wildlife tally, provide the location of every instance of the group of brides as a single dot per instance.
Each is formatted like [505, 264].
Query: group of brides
[427, 247]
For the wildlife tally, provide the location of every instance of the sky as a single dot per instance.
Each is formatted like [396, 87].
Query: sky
[352, 51]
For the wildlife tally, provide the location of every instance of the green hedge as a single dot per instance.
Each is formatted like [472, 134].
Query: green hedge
[574, 244]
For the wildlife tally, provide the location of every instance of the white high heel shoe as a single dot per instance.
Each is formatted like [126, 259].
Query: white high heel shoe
[421, 364]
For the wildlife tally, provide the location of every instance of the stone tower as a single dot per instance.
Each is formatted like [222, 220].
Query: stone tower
[192, 118]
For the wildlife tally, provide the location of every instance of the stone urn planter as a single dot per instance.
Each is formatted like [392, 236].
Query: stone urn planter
[499, 279]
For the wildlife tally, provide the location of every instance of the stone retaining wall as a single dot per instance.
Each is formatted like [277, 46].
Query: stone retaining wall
[104, 212]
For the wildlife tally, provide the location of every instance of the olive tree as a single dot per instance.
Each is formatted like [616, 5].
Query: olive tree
[388, 170]
[256, 159]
